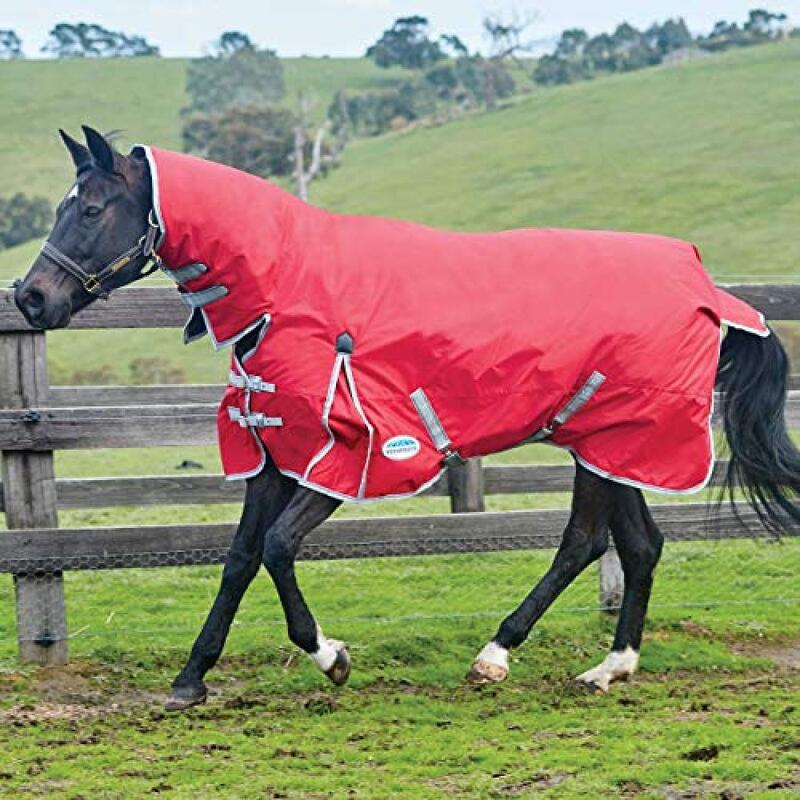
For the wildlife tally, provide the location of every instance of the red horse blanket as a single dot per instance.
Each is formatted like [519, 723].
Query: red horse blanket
[380, 349]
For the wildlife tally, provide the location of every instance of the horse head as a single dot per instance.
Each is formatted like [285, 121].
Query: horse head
[102, 238]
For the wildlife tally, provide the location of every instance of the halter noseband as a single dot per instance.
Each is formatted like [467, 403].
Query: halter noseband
[92, 282]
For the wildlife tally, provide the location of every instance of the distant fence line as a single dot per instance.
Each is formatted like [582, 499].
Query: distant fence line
[37, 419]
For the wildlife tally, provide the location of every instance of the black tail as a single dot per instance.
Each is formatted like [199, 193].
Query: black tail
[764, 463]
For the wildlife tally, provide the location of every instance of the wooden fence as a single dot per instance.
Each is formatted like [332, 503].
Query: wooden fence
[37, 419]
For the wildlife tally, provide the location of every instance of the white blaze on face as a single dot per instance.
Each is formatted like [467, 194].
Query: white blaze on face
[616, 666]
[73, 192]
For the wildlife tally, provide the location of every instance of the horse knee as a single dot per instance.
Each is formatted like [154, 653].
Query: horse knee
[584, 546]
[239, 569]
[278, 555]
[641, 559]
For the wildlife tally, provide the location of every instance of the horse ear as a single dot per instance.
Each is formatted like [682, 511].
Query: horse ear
[99, 148]
[80, 153]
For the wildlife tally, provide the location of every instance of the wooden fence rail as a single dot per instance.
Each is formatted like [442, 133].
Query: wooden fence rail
[36, 420]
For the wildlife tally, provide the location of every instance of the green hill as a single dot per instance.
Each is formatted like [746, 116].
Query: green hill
[707, 151]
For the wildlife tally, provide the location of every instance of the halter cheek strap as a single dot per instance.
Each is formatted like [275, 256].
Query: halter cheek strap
[92, 282]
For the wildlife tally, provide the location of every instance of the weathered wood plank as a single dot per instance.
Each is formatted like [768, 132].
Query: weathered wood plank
[465, 486]
[30, 502]
[108, 426]
[612, 581]
[158, 395]
[188, 489]
[161, 307]
[160, 545]
[136, 307]
[774, 301]
[147, 425]
[151, 491]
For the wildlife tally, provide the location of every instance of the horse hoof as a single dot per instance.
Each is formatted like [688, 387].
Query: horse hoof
[183, 697]
[485, 672]
[589, 686]
[340, 671]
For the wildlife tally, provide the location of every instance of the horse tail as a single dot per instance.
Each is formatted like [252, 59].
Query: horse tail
[764, 463]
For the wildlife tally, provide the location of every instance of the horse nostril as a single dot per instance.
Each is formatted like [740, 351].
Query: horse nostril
[34, 301]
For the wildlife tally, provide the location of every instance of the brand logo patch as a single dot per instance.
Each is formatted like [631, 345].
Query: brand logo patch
[399, 448]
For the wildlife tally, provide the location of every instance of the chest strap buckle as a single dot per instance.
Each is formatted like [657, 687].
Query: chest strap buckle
[253, 383]
[254, 420]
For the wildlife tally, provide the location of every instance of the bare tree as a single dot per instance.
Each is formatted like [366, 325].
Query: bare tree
[507, 33]
[319, 159]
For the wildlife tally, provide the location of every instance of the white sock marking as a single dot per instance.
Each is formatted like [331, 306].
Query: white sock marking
[493, 653]
[616, 665]
[325, 656]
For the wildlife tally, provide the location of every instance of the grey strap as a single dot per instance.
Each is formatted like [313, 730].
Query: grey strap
[253, 420]
[441, 441]
[253, 383]
[204, 297]
[187, 273]
[575, 404]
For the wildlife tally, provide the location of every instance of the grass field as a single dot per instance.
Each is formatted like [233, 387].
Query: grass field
[707, 151]
[714, 709]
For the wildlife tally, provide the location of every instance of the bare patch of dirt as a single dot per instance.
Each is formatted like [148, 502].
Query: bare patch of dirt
[783, 654]
[542, 780]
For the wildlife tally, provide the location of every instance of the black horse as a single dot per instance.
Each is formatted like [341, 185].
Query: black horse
[103, 238]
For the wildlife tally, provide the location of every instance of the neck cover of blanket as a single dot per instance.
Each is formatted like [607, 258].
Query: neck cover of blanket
[380, 349]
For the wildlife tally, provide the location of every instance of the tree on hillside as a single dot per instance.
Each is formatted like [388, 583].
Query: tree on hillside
[507, 35]
[85, 40]
[232, 42]
[406, 44]
[258, 139]
[765, 24]
[671, 35]
[23, 218]
[10, 45]
[242, 76]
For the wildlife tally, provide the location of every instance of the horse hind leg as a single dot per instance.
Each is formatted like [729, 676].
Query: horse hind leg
[639, 543]
[585, 539]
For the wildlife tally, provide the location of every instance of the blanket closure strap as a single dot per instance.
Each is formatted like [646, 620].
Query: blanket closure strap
[575, 404]
[254, 420]
[253, 383]
[344, 352]
[204, 296]
[187, 273]
[430, 419]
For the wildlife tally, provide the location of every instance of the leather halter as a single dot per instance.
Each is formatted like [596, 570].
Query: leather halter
[92, 282]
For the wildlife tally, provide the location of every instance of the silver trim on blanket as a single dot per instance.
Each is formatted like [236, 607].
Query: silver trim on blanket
[573, 406]
[430, 419]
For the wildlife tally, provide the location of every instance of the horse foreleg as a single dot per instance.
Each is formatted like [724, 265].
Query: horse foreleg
[305, 512]
[266, 496]
[639, 544]
[585, 539]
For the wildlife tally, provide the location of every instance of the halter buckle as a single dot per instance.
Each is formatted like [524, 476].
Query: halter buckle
[92, 285]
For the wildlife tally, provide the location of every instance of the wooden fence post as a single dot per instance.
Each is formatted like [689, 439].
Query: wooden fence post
[612, 581]
[465, 486]
[29, 493]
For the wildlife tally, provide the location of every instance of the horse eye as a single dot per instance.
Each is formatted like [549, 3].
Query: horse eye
[93, 211]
